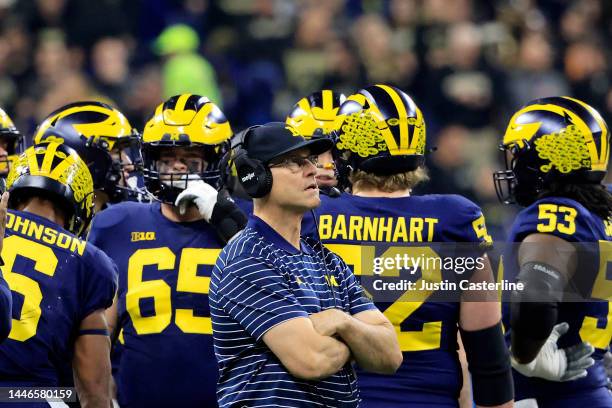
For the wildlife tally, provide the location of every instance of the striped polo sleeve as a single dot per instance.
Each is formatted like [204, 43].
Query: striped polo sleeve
[254, 294]
[354, 297]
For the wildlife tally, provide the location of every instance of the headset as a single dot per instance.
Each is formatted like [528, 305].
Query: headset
[254, 176]
[256, 179]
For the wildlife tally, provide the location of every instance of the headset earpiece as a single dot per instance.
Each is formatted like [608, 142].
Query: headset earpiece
[253, 175]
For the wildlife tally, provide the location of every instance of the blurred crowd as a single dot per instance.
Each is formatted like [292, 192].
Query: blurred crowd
[467, 63]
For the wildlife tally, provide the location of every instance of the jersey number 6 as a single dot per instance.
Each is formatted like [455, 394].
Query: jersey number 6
[45, 262]
[187, 281]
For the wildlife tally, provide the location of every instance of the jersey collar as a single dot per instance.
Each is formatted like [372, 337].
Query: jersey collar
[269, 234]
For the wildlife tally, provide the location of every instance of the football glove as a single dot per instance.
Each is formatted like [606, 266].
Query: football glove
[216, 207]
[554, 364]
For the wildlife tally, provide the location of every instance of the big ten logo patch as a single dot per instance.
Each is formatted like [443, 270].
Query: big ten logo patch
[143, 236]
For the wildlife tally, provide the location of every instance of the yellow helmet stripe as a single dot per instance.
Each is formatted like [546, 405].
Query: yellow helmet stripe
[5, 120]
[59, 170]
[181, 102]
[516, 133]
[415, 140]
[32, 162]
[385, 131]
[48, 158]
[603, 156]
[328, 100]
[402, 114]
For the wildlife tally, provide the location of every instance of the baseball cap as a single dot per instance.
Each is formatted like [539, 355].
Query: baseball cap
[274, 139]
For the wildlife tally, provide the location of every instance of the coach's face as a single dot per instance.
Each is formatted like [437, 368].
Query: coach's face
[294, 183]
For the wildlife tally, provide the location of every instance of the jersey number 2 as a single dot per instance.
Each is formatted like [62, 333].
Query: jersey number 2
[429, 337]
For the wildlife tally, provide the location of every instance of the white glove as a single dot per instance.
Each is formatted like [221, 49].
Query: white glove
[554, 364]
[202, 194]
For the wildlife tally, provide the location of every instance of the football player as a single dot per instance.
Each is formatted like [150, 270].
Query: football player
[383, 134]
[107, 142]
[60, 284]
[109, 145]
[316, 115]
[165, 252]
[10, 140]
[557, 152]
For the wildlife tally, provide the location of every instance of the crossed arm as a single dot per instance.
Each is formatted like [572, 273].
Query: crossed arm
[369, 335]
[320, 345]
[304, 352]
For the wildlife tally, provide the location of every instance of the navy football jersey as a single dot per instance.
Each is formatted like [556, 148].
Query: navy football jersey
[6, 305]
[588, 321]
[427, 331]
[167, 356]
[56, 280]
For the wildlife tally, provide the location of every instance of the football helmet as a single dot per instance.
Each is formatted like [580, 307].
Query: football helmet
[13, 139]
[556, 139]
[383, 130]
[317, 113]
[105, 140]
[58, 172]
[186, 120]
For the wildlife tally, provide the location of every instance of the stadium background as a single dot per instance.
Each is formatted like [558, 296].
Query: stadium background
[467, 63]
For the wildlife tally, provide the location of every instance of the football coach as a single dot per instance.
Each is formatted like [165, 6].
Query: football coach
[288, 316]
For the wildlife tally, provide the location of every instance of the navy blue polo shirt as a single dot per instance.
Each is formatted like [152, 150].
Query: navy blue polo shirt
[261, 280]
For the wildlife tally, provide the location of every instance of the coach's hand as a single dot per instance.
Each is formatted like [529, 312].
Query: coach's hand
[556, 364]
[329, 322]
[216, 207]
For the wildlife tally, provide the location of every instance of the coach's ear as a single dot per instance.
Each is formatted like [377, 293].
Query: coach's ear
[305, 353]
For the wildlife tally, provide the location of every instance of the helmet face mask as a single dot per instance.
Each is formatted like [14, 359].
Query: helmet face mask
[125, 170]
[517, 185]
[187, 127]
[94, 130]
[550, 140]
[169, 170]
